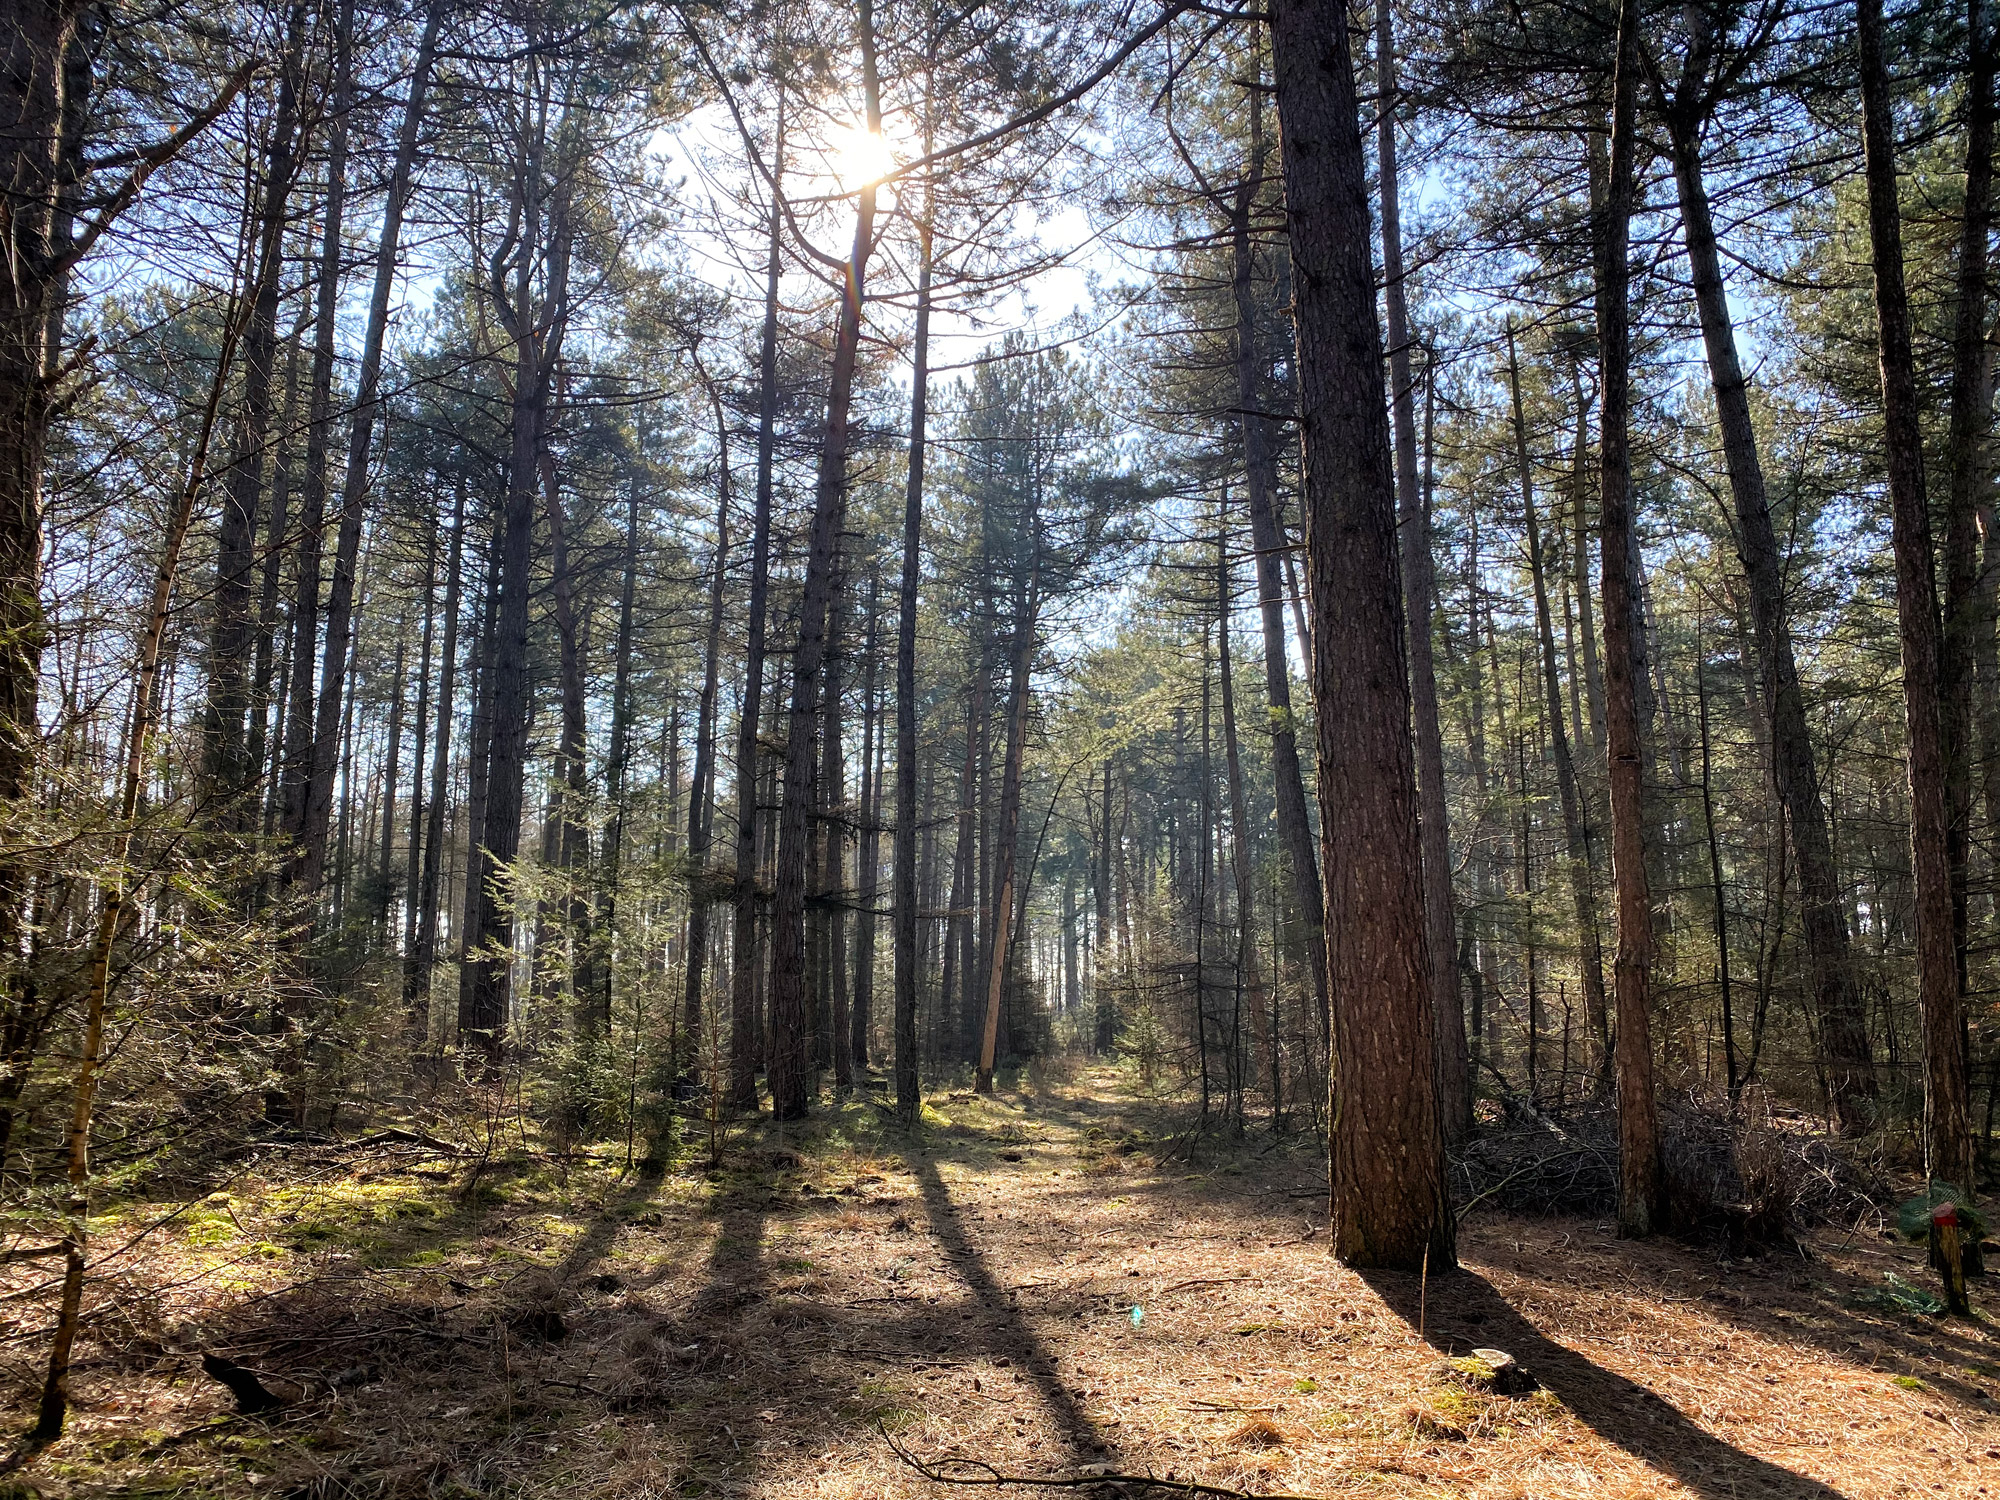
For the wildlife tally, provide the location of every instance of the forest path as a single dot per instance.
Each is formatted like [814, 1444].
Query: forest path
[756, 1330]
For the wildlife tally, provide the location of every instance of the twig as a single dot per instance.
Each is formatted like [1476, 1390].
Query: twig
[1537, 1165]
[976, 1471]
[912, 1356]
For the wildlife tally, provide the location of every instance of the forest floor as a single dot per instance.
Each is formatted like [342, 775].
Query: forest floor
[1042, 1282]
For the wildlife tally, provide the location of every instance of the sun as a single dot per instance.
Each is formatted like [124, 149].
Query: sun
[860, 155]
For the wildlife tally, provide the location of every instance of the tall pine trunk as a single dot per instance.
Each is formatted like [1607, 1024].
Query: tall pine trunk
[904, 939]
[745, 1028]
[1967, 645]
[226, 767]
[1575, 827]
[1007, 836]
[1837, 1003]
[701, 813]
[1412, 507]
[789, 1073]
[1947, 1122]
[1391, 1205]
[429, 888]
[1267, 537]
[868, 857]
[316, 812]
[1641, 1195]
[1250, 975]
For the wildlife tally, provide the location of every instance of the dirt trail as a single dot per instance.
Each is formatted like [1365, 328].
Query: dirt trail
[1042, 1286]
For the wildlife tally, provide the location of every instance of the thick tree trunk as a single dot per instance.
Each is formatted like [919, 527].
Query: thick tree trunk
[33, 79]
[490, 931]
[1391, 1205]
[478, 782]
[534, 318]
[1947, 1123]
[1641, 1195]
[1837, 1003]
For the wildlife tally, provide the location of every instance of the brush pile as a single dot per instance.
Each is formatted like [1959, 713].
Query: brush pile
[1743, 1176]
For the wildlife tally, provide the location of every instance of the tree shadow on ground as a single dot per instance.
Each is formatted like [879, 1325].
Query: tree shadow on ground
[1457, 1313]
[1007, 1332]
[1852, 1319]
[1827, 1293]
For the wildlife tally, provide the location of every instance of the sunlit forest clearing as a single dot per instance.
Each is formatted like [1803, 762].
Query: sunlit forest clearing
[874, 747]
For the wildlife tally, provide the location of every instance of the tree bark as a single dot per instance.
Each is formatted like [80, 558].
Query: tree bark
[1391, 1206]
[617, 775]
[1641, 1195]
[829, 1013]
[1103, 997]
[1732, 1077]
[392, 763]
[1947, 1122]
[538, 229]
[1586, 621]
[267, 709]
